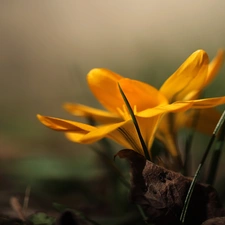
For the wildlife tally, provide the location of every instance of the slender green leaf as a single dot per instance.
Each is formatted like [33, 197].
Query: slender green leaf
[216, 157]
[191, 188]
[135, 124]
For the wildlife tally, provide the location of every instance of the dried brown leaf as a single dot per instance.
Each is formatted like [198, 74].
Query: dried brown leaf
[215, 221]
[162, 192]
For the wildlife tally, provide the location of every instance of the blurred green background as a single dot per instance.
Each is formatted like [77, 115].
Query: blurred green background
[48, 47]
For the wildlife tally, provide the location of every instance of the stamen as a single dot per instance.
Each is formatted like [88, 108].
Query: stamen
[120, 112]
[124, 112]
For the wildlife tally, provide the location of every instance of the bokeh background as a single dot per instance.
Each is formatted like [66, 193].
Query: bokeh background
[48, 47]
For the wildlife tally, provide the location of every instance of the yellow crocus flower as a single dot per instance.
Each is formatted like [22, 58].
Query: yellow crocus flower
[149, 105]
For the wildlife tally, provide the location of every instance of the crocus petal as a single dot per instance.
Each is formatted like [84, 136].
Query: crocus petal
[141, 94]
[148, 127]
[168, 139]
[206, 103]
[75, 136]
[86, 134]
[123, 133]
[166, 133]
[214, 67]
[101, 132]
[190, 76]
[104, 85]
[126, 135]
[203, 120]
[162, 109]
[92, 113]
[64, 125]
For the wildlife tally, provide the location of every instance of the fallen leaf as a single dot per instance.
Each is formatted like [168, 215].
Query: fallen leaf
[215, 221]
[161, 193]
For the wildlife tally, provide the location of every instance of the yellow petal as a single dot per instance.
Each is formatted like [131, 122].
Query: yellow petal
[207, 102]
[148, 127]
[162, 109]
[127, 135]
[75, 137]
[64, 125]
[206, 120]
[141, 95]
[104, 85]
[166, 133]
[101, 132]
[191, 75]
[92, 113]
[214, 66]
[123, 133]
[169, 140]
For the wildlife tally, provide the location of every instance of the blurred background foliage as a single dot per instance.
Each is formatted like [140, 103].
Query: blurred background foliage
[48, 47]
